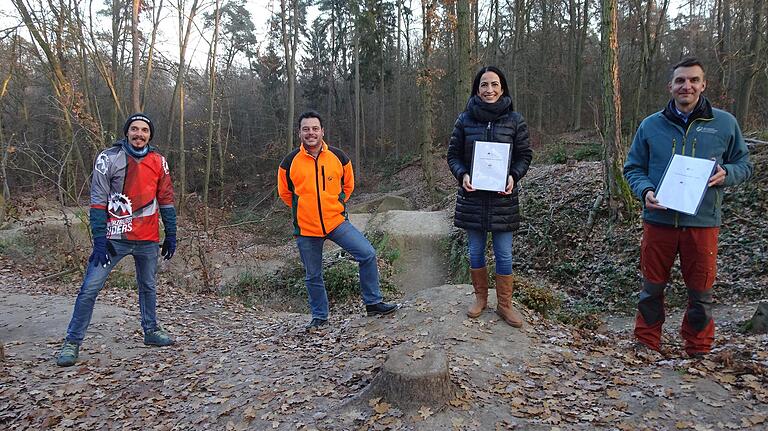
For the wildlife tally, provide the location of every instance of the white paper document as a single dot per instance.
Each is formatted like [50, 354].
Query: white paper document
[684, 183]
[490, 164]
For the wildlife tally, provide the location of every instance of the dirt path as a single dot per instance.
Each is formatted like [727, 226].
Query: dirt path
[238, 368]
[251, 368]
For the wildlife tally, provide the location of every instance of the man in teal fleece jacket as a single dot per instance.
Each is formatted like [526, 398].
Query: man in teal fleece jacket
[689, 126]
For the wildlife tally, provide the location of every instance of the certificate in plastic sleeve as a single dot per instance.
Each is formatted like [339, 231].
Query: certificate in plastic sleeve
[490, 165]
[684, 183]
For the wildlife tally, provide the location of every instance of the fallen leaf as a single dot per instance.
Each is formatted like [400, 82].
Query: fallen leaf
[425, 412]
[381, 408]
[417, 354]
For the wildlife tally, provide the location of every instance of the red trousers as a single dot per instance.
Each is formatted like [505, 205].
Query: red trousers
[697, 247]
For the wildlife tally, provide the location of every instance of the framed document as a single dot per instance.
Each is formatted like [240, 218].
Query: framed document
[490, 166]
[684, 183]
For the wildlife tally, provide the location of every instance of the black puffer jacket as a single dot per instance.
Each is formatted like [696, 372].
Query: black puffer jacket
[484, 210]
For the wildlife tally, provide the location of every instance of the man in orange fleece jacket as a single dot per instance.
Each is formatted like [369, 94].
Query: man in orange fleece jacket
[315, 180]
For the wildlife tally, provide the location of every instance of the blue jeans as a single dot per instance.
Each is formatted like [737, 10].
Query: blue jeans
[350, 239]
[502, 250]
[145, 255]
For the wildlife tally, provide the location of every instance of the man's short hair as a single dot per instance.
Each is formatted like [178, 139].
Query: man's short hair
[686, 62]
[309, 114]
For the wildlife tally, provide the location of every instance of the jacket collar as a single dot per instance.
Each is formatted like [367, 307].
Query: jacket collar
[703, 110]
[323, 147]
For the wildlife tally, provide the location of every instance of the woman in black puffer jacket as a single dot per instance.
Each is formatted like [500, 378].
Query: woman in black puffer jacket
[489, 116]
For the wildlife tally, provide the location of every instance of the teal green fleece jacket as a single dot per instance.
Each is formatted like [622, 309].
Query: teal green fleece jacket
[709, 134]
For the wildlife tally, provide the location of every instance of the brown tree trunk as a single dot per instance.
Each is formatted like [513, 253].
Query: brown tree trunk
[747, 82]
[463, 54]
[290, 37]
[617, 190]
[136, 59]
[211, 107]
[156, 14]
[578, 58]
[426, 86]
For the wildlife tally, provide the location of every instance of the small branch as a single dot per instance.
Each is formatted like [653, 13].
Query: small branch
[753, 141]
[593, 212]
[57, 275]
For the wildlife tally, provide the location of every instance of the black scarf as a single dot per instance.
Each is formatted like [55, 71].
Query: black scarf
[482, 111]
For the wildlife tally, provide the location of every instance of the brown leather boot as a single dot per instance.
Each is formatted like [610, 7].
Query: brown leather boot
[504, 308]
[480, 283]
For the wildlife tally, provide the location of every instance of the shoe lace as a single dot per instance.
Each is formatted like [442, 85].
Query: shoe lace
[159, 332]
[69, 349]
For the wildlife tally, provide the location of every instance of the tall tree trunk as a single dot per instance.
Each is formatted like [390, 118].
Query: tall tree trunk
[578, 79]
[649, 37]
[136, 59]
[463, 54]
[5, 193]
[398, 77]
[357, 106]
[156, 14]
[290, 38]
[747, 82]
[617, 190]
[117, 36]
[178, 94]
[211, 107]
[426, 85]
[725, 47]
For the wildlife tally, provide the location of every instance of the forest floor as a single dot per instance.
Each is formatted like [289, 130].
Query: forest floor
[239, 367]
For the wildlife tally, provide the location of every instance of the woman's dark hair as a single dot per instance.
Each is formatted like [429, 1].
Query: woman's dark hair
[494, 69]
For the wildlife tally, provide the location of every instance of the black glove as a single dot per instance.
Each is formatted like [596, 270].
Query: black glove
[169, 247]
[101, 253]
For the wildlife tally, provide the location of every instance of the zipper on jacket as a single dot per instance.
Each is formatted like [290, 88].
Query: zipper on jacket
[323, 169]
[319, 206]
[488, 132]
[689, 129]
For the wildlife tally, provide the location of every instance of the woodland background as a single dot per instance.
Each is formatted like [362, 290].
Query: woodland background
[389, 77]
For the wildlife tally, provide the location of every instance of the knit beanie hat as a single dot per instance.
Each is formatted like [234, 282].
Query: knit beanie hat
[139, 116]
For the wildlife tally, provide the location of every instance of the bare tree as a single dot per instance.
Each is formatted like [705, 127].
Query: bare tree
[156, 15]
[178, 94]
[136, 58]
[426, 93]
[755, 61]
[463, 53]
[289, 19]
[617, 190]
[211, 107]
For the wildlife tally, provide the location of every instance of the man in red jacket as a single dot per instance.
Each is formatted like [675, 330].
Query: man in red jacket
[131, 186]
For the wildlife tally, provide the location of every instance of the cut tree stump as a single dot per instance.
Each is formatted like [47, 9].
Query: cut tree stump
[411, 378]
[758, 324]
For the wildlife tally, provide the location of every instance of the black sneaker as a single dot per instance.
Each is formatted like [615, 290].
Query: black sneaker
[316, 324]
[381, 309]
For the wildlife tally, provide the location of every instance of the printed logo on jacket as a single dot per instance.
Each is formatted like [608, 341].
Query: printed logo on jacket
[120, 208]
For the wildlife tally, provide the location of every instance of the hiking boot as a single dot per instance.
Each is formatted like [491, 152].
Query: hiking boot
[316, 324]
[68, 354]
[697, 355]
[381, 309]
[158, 337]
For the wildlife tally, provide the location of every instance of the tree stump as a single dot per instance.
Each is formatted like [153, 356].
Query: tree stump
[412, 378]
[758, 324]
